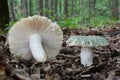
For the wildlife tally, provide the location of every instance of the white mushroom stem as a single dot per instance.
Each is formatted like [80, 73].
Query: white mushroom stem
[36, 48]
[86, 56]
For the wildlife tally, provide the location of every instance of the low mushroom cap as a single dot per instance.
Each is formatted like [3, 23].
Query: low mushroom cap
[49, 31]
[87, 41]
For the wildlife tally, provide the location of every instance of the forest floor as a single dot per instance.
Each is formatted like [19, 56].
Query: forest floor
[67, 65]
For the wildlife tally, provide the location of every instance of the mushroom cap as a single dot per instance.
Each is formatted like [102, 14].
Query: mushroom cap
[87, 41]
[49, 31]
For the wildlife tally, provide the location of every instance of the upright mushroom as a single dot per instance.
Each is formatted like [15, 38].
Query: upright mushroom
[86, 43]
[36, 37]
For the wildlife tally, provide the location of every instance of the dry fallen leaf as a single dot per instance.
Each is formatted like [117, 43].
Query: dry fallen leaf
[21, 74]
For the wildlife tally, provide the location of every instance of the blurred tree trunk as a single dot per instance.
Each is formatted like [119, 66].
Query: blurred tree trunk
[30, 7]
[49, 8]
[56, 10]
[11, 7]
[60, 7]
[39, 7]
[4, 13]
[115, 9]
[73, 7]
[52, 7]
[91, 7]
[46, 8]
[65, 7]
[56, 7]
[24, 8]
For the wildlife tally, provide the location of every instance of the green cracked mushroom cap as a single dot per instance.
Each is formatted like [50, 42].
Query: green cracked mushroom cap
[87, 41]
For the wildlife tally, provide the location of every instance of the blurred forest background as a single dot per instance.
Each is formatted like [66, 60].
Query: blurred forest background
[67, 13]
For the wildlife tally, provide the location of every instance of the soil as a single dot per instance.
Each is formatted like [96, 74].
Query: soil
[67, 65]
